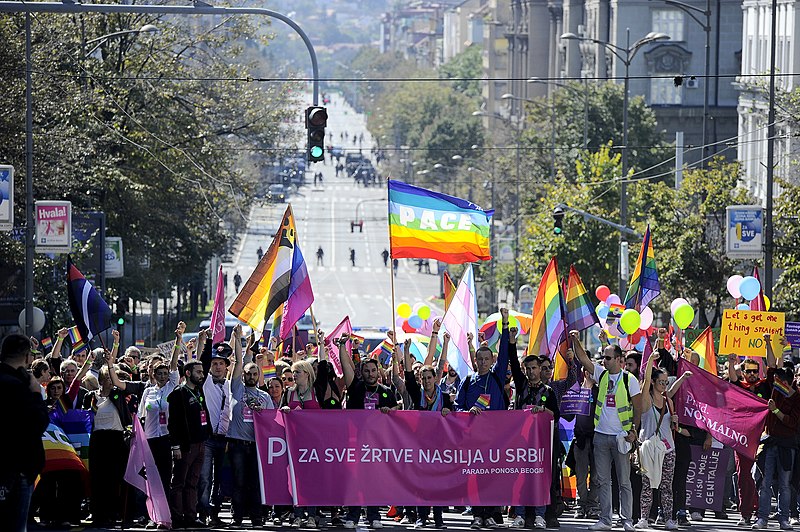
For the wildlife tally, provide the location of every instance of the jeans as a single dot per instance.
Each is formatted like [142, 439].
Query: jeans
[15, 501]
[246, 499]
[774, 473]
[605, 451]
[354, 513]
[208, 488]
[587, 491]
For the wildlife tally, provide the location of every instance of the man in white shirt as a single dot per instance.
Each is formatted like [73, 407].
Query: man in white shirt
[617, 412]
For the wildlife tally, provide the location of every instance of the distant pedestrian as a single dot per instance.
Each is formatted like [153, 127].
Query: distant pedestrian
[385, 255]
[320, 254]
[395, 266]
[353, 256]
[237, 281]
[315, 178]
[225, 281]
[320, 178]
[260, 253]
[426, 265]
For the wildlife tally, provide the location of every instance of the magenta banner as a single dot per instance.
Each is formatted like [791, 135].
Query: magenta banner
[733, 416]
[406, 458]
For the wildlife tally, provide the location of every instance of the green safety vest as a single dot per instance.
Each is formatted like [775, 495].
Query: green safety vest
[622, 397]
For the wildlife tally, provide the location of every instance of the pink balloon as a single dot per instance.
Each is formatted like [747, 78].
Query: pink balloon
[625, 344]
[733, 286]
[602, 292]
[613, 299]
[647, 318]
[399, 322]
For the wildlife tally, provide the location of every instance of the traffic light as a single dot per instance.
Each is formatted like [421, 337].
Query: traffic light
[316, 120]
[558, 219]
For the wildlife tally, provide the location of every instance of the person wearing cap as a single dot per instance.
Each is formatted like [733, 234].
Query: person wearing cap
[23, 452]
[217, 391]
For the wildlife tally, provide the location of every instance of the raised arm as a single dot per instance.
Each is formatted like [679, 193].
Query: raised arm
[112, 373]
[732, 375]
[433, 343]
[770, 352]
[501, 364]
[348, 369]
[115, 345]
[584, 359]
[237, 351]
[63, 332]
[513, 362]
[204, 345]
[677, 384]
[647, 401]
[471, 347]
[176, 349]
[443, 357]
[322, 350]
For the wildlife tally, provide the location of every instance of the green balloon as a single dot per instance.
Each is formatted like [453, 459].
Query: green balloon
[424, 312]
[684, 315]
[630, 321]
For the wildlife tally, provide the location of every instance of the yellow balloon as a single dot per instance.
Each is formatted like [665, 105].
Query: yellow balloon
[767, 303]
[404, 310]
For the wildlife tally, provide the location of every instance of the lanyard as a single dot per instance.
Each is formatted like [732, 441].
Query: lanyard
[198, 398]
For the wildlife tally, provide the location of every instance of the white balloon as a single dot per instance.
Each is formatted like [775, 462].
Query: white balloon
[677, 303]
[647, 318]
[38, 319]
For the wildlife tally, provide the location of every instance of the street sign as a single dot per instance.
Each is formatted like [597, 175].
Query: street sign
[6, 198]
[744, 231]
[115, 266]
[53, 226]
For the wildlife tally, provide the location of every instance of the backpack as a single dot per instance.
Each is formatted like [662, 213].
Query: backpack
[506, 399]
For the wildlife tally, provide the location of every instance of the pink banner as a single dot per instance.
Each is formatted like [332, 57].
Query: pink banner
[406, 458]
[733, 416]
[218, 314]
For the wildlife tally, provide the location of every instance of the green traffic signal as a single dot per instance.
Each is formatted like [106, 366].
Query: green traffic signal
[120, 321]
[316, 152]
[557, 230]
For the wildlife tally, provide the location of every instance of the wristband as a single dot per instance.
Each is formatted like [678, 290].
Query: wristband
[775, 411]
[115, 344]
[176, 447]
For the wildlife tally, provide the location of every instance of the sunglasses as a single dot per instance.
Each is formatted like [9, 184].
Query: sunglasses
[662, 383]
[287, 379]
[751, 371]
[606, 357]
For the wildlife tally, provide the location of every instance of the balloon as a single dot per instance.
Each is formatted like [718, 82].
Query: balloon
[407, 327]
[742, 306]
[602, 292]
[617, 330]
[767, 303]
[647, 318]
[734, 281]
[404, 310]
[684, 315]
[749, 288]
[613, 299]
[625, 344]
[415, 322]
[602, 311]
[399, 322]
[640, 344]
[635, 337]
[630, 321]
[677, 302]
[424, 312]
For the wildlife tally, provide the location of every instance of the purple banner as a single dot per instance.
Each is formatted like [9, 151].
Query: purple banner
[406, 458]
[791, 330]
[734, 416]
[577, 401]
[705, 481]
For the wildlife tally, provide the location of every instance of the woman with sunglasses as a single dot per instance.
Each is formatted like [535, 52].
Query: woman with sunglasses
[657, 426]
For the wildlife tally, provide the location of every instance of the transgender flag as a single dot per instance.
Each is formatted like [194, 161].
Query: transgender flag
[301, 296]
[459, 319]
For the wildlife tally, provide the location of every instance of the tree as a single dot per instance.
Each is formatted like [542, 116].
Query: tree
[787, 250]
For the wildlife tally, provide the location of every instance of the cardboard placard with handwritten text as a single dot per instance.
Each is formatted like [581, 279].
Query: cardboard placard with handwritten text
[743, 332]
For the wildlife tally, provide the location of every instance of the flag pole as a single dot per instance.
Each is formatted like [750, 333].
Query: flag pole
[391, 257]
[314, 323]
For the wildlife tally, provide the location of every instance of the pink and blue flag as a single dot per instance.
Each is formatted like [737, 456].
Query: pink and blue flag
[301, 296]
[461, 318]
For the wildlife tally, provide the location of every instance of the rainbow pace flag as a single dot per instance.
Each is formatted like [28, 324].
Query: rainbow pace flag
[383, 352]
[430, 225]
[644, 285]
[267, 288]
[704, 346]
[300, 296]
[449, 289]
[547, 328]
[580, 311]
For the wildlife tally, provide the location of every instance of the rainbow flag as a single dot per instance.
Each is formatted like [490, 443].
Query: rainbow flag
[60, 455]
[704, 346]
[383, 352]
[354, 336]
[580, 311]
[300, 296]
[782, 388]
[139, 343]
[267, 288]
[47, 342]
[547, 328]
[483, 401]
[449, 289]
[269, 372]
[644, 285]
[430, 225]
[76, 339]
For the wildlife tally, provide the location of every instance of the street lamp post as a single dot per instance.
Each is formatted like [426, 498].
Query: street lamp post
[516, 198]
[509, 96]
[625, 55]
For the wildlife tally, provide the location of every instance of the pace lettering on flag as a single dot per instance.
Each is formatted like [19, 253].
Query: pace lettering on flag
[267, 288]
[424, 224]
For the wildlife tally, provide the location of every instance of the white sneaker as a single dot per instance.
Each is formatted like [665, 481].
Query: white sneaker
[349, 524]
[519, 522]
[642, 524]
[490, 523]
[672, 525]
[627, 526]
[311, 523]
[794, 521]
[539, 522]
[477, 523]
[600, 525]
[696, 516]
[377, 524]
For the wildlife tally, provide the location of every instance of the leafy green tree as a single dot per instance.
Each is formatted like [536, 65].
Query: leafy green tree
[787, 250]
[467, 69]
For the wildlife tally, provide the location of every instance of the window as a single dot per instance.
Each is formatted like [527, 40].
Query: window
[664, 92]
[669, 21]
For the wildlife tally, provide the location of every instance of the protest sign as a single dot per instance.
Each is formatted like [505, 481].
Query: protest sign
[733, 416]
[792, 333]
[166, 349]
[743, 332]
[375, 459]
[705, 480]
[577, 401]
